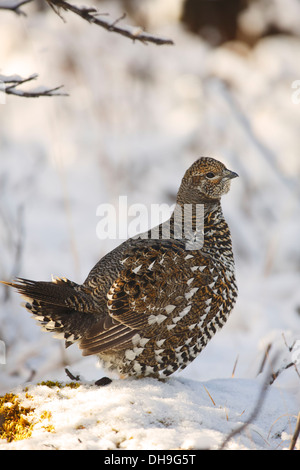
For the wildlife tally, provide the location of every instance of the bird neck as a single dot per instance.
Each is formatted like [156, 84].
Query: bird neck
[191, 221]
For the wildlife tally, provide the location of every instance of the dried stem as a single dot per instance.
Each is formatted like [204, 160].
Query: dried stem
[266, 355]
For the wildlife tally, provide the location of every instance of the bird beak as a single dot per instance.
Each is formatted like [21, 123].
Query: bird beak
[228, 174]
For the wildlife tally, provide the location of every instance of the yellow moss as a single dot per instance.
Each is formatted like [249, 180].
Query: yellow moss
[46, 415]
[49, 428]
[13, 424]
[73, 384]
[51, 384]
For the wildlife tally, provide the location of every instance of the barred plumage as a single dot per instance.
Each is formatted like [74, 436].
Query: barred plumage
[151, 305]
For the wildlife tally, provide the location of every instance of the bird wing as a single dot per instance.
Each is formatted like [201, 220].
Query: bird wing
[151, 284]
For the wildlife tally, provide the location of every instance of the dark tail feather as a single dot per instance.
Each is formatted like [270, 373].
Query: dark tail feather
[58, 306]
[56, 292]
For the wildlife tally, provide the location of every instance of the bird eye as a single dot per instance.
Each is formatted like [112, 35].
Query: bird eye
[210, 175]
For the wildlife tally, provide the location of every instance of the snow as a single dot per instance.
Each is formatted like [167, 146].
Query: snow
[136, 118]
[148, 414]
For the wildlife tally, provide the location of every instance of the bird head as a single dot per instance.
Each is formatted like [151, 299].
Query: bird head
[205, 181]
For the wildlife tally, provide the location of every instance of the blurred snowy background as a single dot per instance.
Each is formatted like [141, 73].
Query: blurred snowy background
[136, 118]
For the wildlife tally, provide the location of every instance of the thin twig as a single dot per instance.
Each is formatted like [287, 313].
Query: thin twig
[252, 417]
[36, 93]
[9, 86]
[92, 16]
[118, 20]
[293, 363]
[281, 369]
[15, 7]
[256, 410]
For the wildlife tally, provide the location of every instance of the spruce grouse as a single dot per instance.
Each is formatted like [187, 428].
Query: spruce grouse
[150, 306]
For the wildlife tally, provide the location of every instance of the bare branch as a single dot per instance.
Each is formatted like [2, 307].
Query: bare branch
[9, 86]
[92, 16]
[14, 6]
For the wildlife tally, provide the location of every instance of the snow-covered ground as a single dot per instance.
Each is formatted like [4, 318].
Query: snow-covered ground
[136, 118]
[147, 414]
